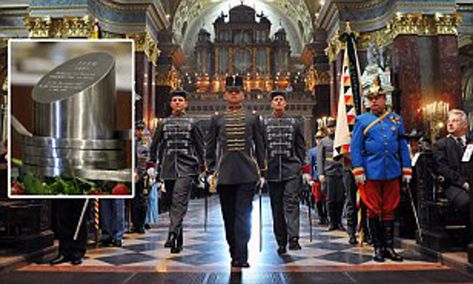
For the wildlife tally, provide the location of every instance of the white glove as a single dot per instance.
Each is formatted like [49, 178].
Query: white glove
[262, 181]
[209, 179]
[322, 178]
[162, 188]
[361, 178]
[201, 181]
[311, 183]
[306, 178]
[406, 178]
[466, 186]
[151, 173]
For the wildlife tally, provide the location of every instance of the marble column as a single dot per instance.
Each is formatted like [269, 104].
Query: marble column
[448, 70]
[407, 79]
[151, 104]
[322, 65]
[140, 74]
[335, 77]
[163, 86]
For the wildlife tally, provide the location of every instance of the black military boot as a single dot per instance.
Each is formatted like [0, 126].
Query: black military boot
[352, 240]
[168, 242]
[332, 214]
[375, 230]
[294, 244]
[367, 238]
[281, 249]
[389, 251]
[339, 216]
[322, 213]
[176, 246]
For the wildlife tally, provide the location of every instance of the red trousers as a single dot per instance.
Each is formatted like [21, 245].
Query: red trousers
[317, 192]
[381, 197]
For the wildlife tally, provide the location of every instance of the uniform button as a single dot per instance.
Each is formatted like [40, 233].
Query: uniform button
[385, 151]
[385, 143]
[385, 136]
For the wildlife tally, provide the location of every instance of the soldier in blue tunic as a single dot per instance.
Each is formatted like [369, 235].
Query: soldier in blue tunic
[380, 156]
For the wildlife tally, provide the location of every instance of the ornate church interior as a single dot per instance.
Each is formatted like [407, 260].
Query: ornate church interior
[326, 57]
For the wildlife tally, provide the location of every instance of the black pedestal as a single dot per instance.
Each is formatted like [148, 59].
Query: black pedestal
[27, 243]
[25, 226]
[438, 241]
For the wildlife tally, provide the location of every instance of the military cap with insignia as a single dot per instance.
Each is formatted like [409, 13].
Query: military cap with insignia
[375, 89]
[234, 83]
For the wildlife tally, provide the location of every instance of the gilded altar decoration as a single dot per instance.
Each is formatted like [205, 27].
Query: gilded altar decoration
[335, 45]
[418, 24]
[65, 27]
[144, 42]
[446, 24]
[413, 24]
[314, 78]
[151, 48]
[38, 26]
[139, 40]
[310, 79]
[169, 78]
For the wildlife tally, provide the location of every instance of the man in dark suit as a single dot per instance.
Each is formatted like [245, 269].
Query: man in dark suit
[448, 153]
[235, 159]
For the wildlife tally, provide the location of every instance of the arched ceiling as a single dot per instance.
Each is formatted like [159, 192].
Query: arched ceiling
[189, 16]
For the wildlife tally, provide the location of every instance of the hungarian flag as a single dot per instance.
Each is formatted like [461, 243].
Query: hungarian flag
[349, 103]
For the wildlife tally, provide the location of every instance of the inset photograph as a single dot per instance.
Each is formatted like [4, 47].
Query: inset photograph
[71, 119]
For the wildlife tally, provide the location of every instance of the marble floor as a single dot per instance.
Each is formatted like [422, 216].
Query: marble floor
[328, 258]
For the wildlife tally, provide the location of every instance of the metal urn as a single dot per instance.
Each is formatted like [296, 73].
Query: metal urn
[74, 118]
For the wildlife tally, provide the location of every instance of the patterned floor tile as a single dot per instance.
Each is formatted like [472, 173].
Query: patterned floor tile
[208, 250]
[124, 259]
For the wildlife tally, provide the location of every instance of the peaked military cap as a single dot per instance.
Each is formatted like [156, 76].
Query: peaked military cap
[178, 93]
[331, 122]
[232, 83]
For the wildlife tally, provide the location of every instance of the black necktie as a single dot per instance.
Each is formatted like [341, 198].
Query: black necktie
[460, 141]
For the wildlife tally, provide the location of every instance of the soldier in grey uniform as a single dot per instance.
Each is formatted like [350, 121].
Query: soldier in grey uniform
[331, 177]
[235, 157]
[285, 153]
[179, 147]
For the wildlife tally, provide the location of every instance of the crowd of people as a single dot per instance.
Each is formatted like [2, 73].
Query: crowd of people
[242, 152]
